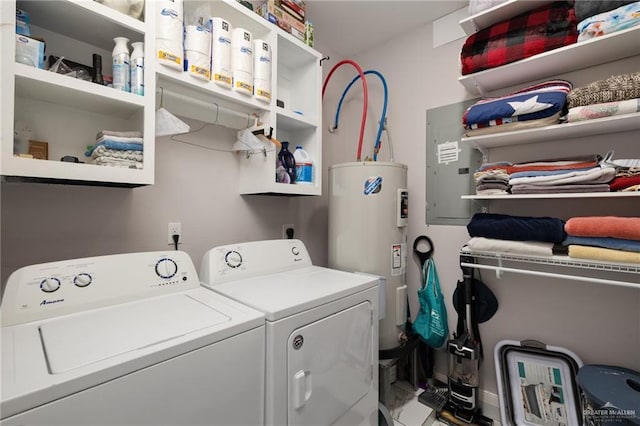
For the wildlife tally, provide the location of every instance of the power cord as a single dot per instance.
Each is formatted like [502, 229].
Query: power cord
[176, 238]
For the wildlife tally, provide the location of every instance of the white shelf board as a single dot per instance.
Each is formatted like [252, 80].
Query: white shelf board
[573, 57]
[276, 188]
[294, 52]
[206, 91]
[85, 20]
[291, 120]
[499, 13]
[60, 170]
[34, 83]
[579, 129]
[558, 260]
[580, 195]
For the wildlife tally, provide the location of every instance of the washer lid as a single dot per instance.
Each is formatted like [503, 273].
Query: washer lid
[282, 294]
[75, 341]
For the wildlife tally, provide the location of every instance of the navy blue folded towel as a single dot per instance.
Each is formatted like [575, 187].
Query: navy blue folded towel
[516, 228]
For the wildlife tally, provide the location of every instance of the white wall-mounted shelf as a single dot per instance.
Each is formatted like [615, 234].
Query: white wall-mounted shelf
[574, 265]
[46, 86]
[499, 13]
[65, 112]
[579, 129]
[580, 195]
[599, 50]
[578, 56]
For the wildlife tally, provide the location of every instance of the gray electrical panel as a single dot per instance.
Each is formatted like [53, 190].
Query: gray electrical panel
[450, 167]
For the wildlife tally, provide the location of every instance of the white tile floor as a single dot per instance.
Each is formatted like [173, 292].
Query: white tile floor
[406, 410]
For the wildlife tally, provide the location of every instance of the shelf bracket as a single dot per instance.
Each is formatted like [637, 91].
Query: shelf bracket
[499, 271]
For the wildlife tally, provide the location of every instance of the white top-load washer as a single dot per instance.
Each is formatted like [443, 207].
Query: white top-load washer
[321, 331]
[128, 339]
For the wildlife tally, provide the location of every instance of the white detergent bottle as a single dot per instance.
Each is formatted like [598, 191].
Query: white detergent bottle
[304, 166]
[121, 68]
[137, 68]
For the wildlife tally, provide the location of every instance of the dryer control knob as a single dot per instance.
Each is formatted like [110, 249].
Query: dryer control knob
[233, 259]
[166, 268]
[49, 285]
[82, 280]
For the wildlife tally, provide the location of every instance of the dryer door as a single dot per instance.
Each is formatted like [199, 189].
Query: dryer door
[330, 366]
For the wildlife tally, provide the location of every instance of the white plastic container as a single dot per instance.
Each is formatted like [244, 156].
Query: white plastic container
[137, 68]
[304, 166]
[169, 33]
[242, 61]
[262, 70]
[197, 51]
[221, 51]
[121, 64]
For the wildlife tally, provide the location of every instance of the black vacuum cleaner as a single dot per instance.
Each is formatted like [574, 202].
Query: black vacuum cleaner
[465, 350]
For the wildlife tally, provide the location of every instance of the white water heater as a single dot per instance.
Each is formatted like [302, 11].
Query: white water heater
[368, 218]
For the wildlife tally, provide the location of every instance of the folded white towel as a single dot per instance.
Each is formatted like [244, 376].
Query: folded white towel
[533, 248]
[595, 175]
[117, 162]
[103, 151]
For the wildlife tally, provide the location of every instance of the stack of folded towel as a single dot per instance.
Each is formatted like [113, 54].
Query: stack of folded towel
[627, 173]
[570, 175]
[117, 149]
[533, 236]
[604, 238]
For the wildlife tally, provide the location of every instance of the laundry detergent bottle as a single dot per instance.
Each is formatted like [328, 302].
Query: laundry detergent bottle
[304, 166]
[121, 68]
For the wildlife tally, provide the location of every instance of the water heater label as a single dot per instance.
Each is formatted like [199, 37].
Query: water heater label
[373, 185]
[398, 256]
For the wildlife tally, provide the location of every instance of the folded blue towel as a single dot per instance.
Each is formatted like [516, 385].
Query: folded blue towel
[517, 228]
[110, 144]
[604, 242]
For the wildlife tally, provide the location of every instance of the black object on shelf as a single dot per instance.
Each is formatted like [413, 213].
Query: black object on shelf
[97, 69]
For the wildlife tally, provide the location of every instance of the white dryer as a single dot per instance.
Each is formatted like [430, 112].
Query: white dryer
[321, 331]
[127, 339]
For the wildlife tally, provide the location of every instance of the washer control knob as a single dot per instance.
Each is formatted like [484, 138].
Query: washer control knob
[295, 250]
[233, 259]
[82, 280]
[166, 268]
[49, 285]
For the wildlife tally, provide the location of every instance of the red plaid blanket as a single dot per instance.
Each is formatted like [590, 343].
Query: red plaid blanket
[540, 30]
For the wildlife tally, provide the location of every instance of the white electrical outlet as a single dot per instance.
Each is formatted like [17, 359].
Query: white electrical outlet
[284, 230]
[173, 229]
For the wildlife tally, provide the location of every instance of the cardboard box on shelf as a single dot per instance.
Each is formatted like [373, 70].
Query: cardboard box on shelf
[39, 150]
[272, 12]
[296, 8]
[30, 51]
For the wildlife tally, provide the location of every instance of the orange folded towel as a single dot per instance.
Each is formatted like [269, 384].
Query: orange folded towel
[604, 226]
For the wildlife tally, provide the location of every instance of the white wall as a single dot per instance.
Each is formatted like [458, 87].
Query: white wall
[600, 323]
[194, 185]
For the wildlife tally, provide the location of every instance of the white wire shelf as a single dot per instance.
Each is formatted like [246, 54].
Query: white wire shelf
[556, 261]
[580, 195]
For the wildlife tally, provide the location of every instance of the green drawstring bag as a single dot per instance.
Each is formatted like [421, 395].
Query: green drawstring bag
[431, 323]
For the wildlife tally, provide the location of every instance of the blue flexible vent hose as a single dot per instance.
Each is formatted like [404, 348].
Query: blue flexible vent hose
[384, 108]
